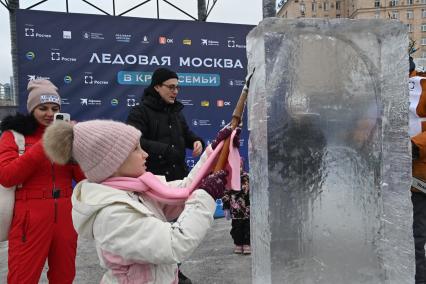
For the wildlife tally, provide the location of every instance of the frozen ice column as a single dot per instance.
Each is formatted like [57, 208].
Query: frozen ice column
[329, 153]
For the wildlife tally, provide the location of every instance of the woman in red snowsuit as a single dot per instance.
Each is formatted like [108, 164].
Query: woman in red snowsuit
[41, 226]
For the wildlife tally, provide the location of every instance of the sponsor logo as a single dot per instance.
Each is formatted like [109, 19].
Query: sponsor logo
[66, 34]
[55, 55]
[67, 79]
[201, 122]
[234, 44]
[219, 103]
[236, 83]
[123, 37]
[145, 39]
[90, 80]
[187, 42]
[30, 55]
[185, 79]
[164, 40]
[90, 102]
[132, 101]
[34, 77]
[187, 102]
[30, 31]
[222, 123]
[114, 102]
[190, 163]
[205, 103]
[209, 42]
[91, 35]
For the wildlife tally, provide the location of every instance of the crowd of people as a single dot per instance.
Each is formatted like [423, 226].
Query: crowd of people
[135, 196]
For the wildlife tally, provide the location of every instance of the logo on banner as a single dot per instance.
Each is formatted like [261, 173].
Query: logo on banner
[236, 83]
[222, 103]
[145, 39]
[90, 102]
[209, 42]
[90, 35]
[66, 34]
[222, 123]
[114, 102]
[187, 41]
[132, 101]
[34, 77]
[205, 103]
[123, 37]
[233, 43]
[164, 40]
[31, 32]
[201, 122]
[190, 163]
[67, 79]
[30, 55]
[55, 55]
[90, 80]
[187, 102]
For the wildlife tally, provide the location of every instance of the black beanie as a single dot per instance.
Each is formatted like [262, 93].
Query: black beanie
[162, 74]
[412, 64]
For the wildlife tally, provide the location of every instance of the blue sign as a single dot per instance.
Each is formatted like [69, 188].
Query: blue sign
[101, 64]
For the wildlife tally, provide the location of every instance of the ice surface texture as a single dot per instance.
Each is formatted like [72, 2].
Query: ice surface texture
[329, 152]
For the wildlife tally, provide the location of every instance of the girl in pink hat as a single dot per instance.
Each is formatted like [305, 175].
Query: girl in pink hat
[127, 210]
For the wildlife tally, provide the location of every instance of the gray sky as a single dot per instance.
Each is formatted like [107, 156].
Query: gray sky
[225, 11]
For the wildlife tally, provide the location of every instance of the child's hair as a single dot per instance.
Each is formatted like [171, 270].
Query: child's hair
[100, 147]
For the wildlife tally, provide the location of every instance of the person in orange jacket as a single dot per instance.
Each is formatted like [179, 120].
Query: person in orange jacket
[41, 226]
[417, 86]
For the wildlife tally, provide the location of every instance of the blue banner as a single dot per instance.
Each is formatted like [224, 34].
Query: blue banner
[101, 64]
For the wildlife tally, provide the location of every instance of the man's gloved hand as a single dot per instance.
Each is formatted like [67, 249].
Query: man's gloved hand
[225, 133]
[214, 184]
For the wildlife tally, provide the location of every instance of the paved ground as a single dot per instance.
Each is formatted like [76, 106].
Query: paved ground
[212, 262]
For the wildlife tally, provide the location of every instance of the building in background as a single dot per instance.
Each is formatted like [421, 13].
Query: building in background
[410, 12]
[7, 94]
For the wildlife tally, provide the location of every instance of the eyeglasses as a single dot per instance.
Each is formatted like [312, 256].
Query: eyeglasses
[172, 87]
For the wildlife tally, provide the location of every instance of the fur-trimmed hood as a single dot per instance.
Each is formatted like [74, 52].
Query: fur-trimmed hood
[24, 124]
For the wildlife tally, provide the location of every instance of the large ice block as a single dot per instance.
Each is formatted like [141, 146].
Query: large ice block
[329, 152]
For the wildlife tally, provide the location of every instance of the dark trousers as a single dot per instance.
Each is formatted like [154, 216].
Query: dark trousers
[419, 233]
[240, 231]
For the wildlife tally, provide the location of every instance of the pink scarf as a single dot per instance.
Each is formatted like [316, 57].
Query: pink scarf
[150, 185]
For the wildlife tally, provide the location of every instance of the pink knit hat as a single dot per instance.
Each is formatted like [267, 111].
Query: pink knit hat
[101, 146]
[41, 91]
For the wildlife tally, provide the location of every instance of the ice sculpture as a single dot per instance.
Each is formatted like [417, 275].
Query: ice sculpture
[329, 152]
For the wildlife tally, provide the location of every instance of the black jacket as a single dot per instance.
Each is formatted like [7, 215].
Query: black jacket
[165, 135]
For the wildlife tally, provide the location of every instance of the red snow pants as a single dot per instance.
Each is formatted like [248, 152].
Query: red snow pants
[42, 229]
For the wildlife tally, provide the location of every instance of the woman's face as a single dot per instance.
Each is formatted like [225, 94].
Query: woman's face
[44, 113]
[134, 165]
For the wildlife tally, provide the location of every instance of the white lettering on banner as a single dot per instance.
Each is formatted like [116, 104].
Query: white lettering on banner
[193, 79]
[210, 62]
[130, 59]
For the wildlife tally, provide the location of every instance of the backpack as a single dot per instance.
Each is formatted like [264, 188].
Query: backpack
[7, 195]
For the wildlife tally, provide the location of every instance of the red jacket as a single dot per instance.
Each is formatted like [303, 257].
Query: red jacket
[33, 169]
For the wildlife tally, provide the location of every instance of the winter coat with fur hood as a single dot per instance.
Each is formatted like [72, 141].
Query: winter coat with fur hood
[134, 239]
[165, 135]
[33, 170]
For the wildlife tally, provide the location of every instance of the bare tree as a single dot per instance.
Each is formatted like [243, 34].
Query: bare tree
[202, 11]
[13, 6]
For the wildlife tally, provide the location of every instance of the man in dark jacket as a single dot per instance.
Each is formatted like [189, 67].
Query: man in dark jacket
[165, 133]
